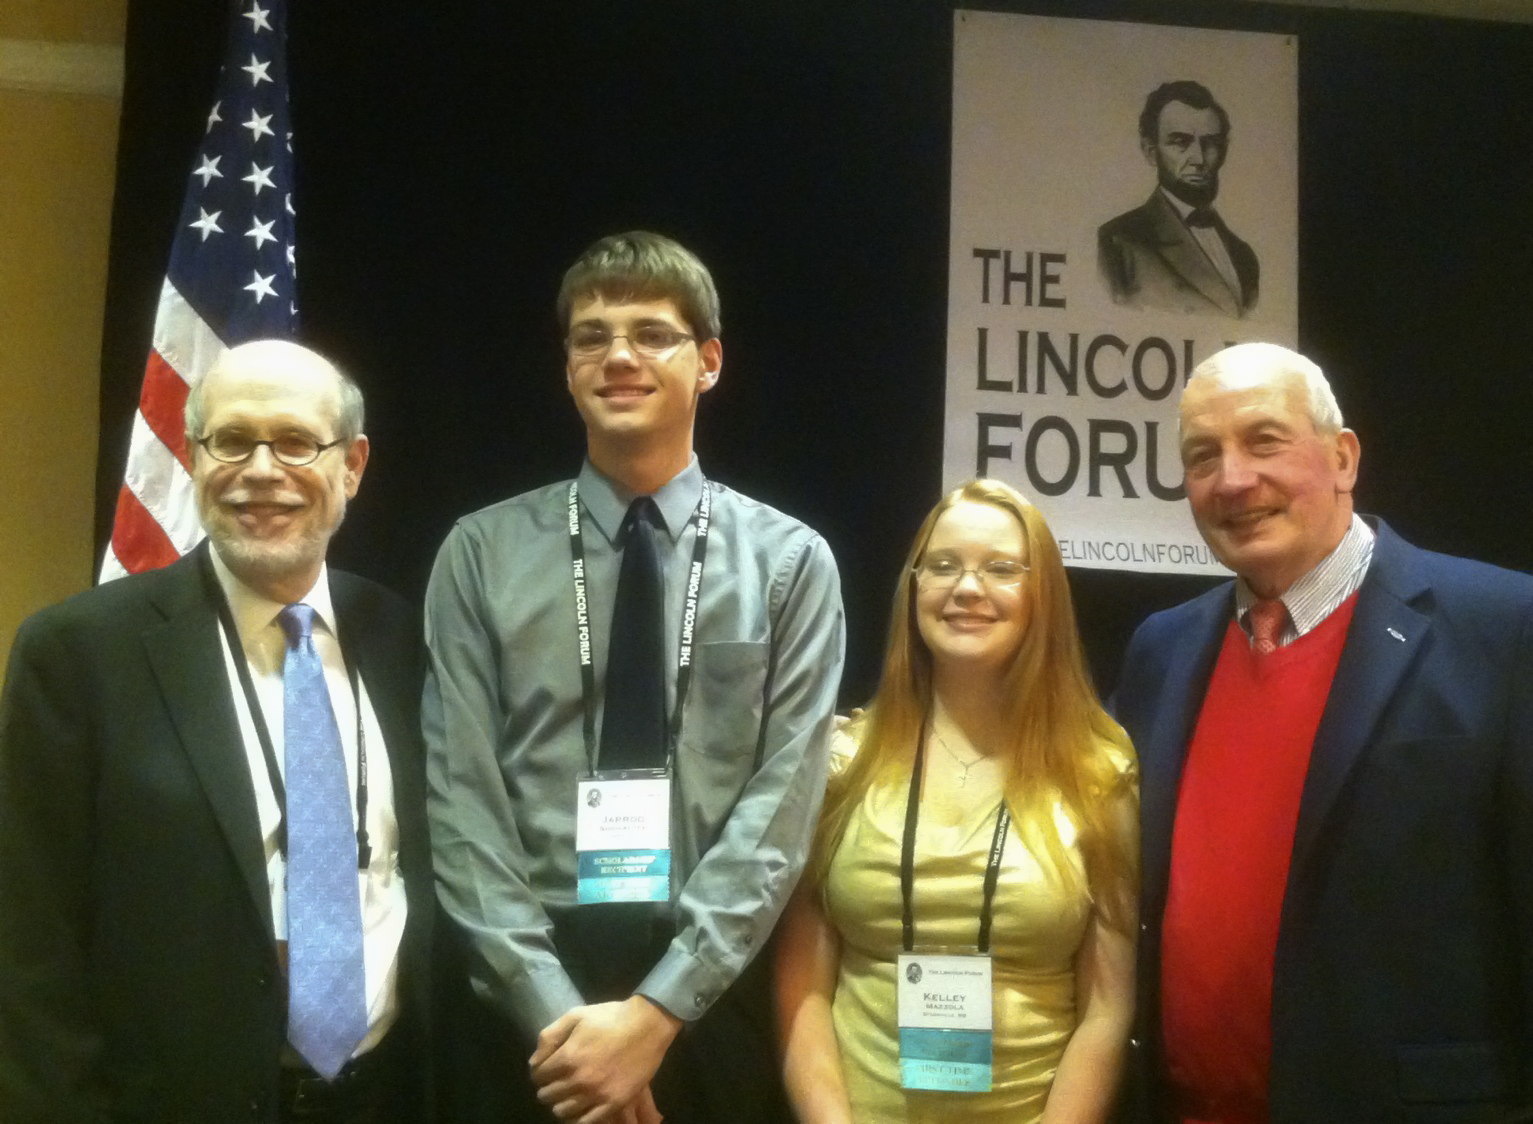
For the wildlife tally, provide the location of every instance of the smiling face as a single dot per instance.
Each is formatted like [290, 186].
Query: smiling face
[632, 401]
[270, 522]
[1187, 152]
[1270, 494]
[971, 626]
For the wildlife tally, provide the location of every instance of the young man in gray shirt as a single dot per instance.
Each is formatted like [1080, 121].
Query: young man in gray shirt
[606, 945]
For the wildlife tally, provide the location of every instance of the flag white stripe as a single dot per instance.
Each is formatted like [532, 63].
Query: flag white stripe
[153, 474]
[111, 569]
[183, 338]
[156, 477]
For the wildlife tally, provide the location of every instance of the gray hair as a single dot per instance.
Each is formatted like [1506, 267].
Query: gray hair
[350, 413]
[1250, 364]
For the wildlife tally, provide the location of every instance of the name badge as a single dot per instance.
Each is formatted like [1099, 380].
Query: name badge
[623, 839]
[945, 1015]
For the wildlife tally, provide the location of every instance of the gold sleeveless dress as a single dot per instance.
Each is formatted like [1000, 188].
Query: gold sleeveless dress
[1038, 925]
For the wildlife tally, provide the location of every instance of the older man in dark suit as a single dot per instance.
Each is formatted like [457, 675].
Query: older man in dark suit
[215, 881]
[1337, 793]
[1175, 252]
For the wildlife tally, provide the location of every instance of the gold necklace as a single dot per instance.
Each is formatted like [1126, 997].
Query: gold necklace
[962, 764]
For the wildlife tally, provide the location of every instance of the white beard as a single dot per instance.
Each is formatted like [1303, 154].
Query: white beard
[258, 563]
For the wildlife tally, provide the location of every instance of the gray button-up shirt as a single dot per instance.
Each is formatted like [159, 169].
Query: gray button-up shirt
[503, 710]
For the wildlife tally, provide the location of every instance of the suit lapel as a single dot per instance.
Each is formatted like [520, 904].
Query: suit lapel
[378, 659]
[356, 620]
[1182, 252]
[186, 655]
[388, 661]
[1383, 639]
[1238, 251]
[1188, 668]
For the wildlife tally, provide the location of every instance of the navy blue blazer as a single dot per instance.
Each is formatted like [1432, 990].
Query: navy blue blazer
[1403, 983]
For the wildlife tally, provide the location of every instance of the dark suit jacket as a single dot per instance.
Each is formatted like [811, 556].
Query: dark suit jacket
[1403, 985]
[138, 970]
[1149, 259]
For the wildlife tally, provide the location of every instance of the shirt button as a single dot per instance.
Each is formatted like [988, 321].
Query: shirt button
[749, 940]
[700, 999]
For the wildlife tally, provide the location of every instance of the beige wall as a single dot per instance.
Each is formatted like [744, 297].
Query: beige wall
[60, 73]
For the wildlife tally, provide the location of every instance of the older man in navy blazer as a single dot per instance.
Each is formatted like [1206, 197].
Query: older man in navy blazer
[1337, 756]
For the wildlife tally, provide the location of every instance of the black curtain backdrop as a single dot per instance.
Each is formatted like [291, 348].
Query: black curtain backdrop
[454, 157]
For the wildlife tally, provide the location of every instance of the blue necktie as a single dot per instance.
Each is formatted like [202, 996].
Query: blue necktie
[327, 1000]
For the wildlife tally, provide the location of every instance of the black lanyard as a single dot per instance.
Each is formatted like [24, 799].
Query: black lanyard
[583, 622]
[258, 719]
[908, 857]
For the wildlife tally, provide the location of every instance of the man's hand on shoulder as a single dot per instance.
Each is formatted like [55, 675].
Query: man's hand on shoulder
[595, 1062]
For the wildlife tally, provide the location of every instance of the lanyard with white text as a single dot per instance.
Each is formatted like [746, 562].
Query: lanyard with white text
[583, 622]
[908, 850]
[263, 735]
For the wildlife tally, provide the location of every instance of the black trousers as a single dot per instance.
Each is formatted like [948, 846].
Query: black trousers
[721, 1069]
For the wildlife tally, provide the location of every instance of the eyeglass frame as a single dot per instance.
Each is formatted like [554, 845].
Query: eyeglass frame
[919, 569]
[636, 348]
[320, 449]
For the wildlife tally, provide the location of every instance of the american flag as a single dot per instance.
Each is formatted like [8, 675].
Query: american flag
[230, 280]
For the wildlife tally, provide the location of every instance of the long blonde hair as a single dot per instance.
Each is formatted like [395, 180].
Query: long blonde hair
[1066, 748]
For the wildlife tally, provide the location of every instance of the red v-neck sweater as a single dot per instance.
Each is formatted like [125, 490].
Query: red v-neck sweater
[1235, 818]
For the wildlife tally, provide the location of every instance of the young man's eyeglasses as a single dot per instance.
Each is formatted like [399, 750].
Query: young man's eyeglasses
[591, 341]
[295, 450]
[940, 574]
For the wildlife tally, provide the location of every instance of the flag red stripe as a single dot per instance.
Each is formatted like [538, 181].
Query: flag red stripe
[138, 541]
[163, 402]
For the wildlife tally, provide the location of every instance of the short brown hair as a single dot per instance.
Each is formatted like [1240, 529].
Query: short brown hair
[640, 265]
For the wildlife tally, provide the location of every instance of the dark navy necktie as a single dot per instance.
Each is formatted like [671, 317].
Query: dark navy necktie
[327, 997]
[633, 732]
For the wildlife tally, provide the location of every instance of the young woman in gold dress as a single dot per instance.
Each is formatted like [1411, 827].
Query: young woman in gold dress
[985, 692]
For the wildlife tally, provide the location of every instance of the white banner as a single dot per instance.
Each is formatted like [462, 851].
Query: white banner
[1091, 267]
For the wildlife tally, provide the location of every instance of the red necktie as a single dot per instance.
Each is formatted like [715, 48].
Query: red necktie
[1267, 621]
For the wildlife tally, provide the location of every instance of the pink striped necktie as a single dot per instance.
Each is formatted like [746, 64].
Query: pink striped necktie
[1267, 621]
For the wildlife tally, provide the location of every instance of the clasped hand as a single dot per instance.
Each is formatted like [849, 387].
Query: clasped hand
[595, 1062]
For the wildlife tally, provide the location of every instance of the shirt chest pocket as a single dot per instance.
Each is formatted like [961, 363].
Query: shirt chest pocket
[725, 700]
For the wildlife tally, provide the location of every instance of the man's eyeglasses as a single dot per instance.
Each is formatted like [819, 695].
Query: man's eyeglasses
[292, 449]
[591, 341]
[940, 574]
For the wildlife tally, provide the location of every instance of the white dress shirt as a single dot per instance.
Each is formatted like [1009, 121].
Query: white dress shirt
[381, 885]
[1320, 592]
